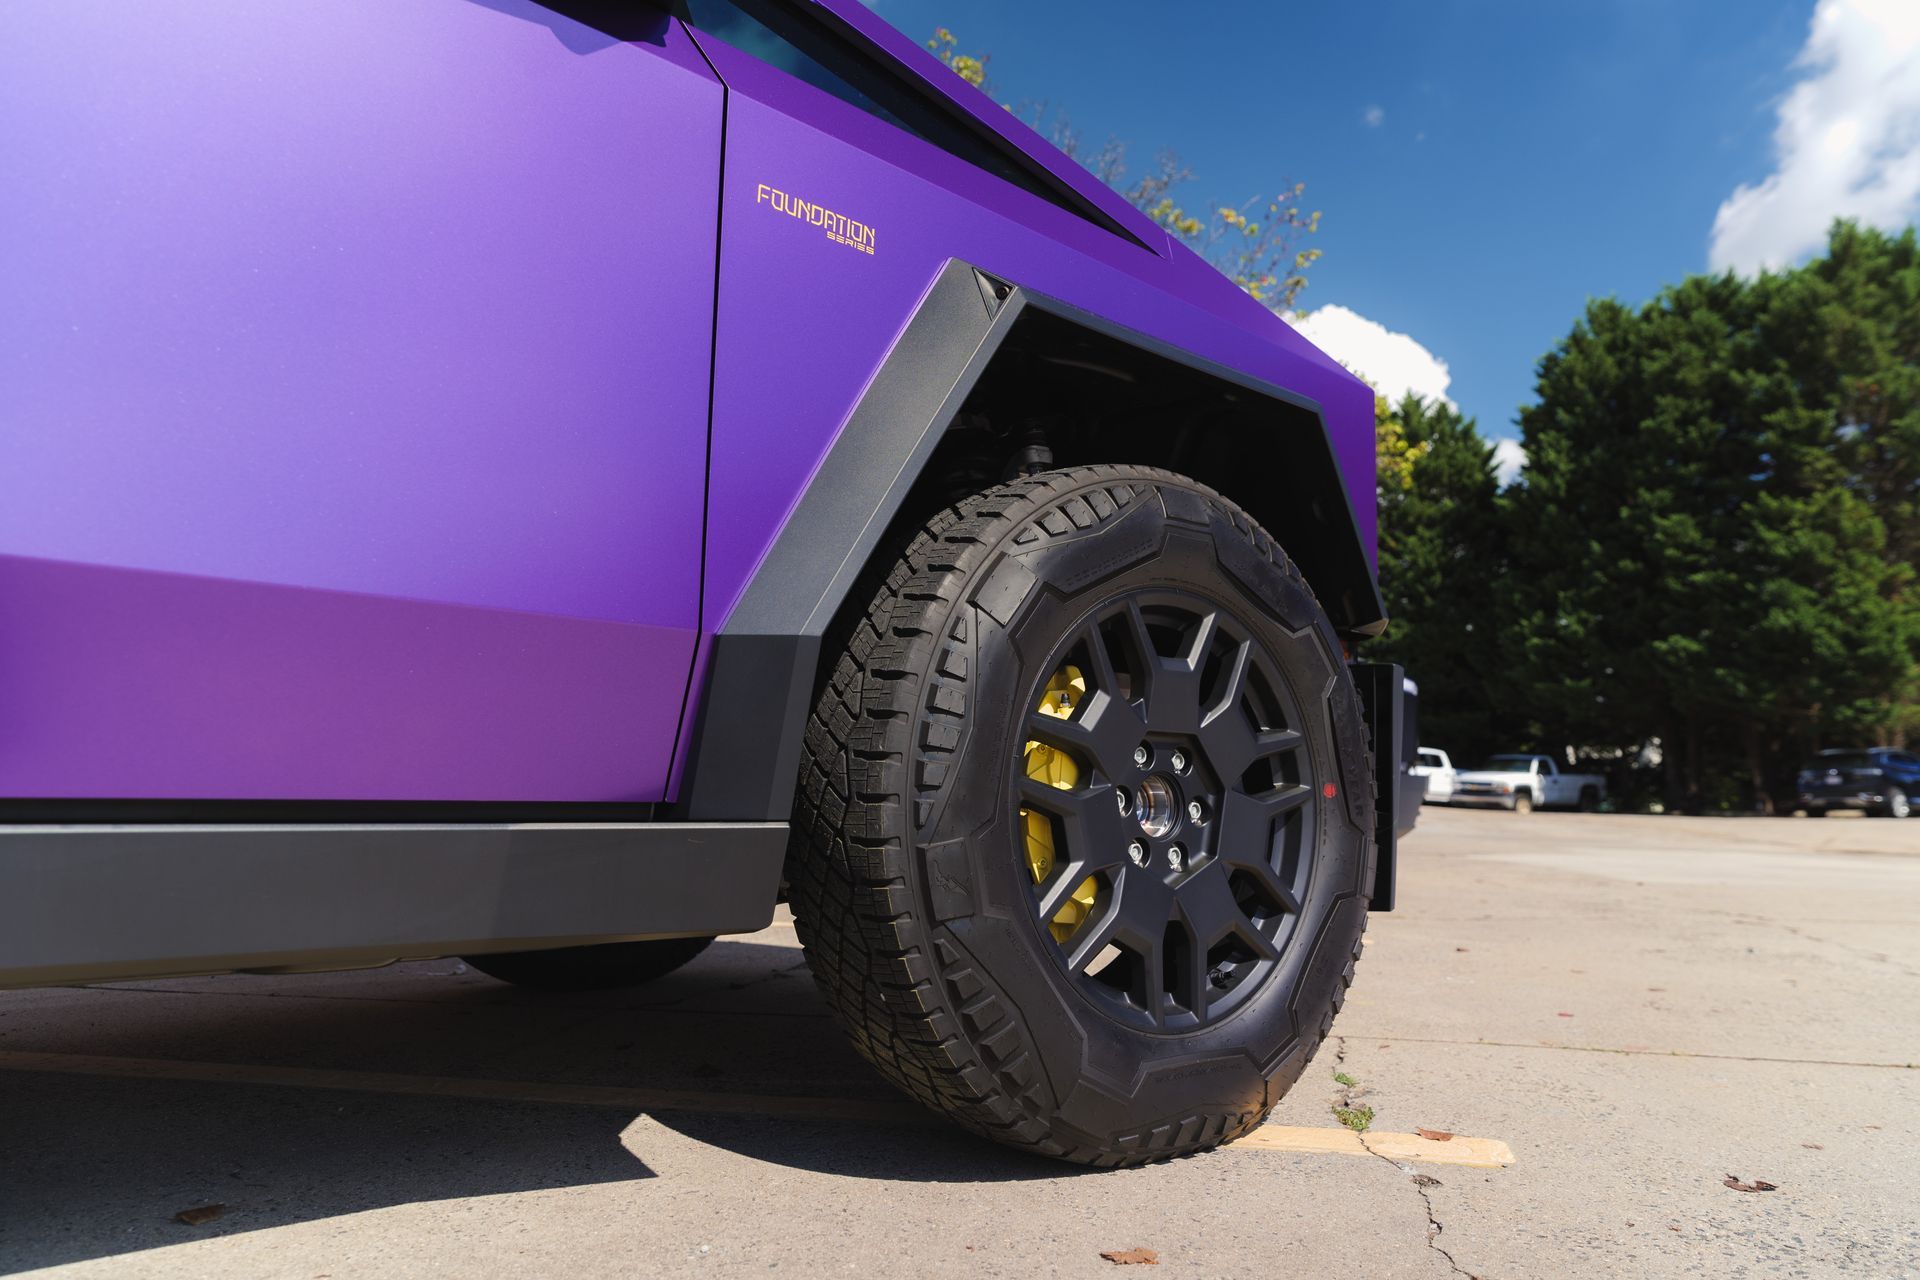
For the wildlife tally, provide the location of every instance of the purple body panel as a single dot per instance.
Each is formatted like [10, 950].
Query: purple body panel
[804, 322]
[118, 656]
[354, 379]
[409, 299]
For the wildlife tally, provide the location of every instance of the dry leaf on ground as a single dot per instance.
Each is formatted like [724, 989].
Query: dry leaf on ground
[1755, 1185]
[1434, 1135]
[1131, 1257]
[200, 1215]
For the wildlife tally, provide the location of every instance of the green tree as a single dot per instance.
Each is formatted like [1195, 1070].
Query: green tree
[1441, 566]
[1259, 243]
[1707, 550]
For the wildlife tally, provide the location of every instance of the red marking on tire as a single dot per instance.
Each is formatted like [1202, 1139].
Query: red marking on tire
[1329, 791]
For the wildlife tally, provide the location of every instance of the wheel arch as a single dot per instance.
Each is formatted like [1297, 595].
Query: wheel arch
[985, 372]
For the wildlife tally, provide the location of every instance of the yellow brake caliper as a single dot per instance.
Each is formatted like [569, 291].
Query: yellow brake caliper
[1056, 768]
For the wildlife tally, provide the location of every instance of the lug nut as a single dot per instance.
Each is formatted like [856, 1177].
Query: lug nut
[1194, 810]
[1124, 800]
[1141, 755]
[1179, 761]
[1138, 853]
[1177, 857]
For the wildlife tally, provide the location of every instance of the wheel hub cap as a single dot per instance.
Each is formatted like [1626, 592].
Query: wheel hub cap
[1153, 807]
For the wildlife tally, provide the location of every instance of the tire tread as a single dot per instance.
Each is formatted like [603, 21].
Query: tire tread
[874, 959]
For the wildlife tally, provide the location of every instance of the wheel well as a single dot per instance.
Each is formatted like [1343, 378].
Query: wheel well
[1058, 393]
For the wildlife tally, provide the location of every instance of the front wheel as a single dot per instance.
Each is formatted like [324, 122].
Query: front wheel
[1522, 802]
[1084, 830]
[1898, 805]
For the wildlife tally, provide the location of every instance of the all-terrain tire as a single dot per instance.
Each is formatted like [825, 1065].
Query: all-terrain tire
[596, 968]
[911, 887]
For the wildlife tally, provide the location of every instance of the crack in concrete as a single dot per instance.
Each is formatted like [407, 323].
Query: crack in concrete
[1434, 1226]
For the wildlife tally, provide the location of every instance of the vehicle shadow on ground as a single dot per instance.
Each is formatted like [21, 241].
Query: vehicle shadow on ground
[94, 1166]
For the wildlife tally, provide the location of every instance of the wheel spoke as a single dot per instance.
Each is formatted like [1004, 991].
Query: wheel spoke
[1235, 746]
[1256, 941]
[1106, 675]
[1175, 697]
[1154, 967]
[1093, 938]
[1105, 731]
[1193, 988]
[1246, 824]
[1059, 887]
[1234, 687]
[1091, 816]
[1277, 891]
[1206, 901]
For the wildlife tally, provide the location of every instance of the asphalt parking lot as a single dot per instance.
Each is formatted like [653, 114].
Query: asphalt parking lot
[1637, 1007]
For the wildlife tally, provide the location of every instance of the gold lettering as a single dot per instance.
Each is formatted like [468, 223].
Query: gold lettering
[837, 227]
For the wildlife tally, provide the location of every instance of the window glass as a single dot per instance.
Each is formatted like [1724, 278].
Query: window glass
[774, 33]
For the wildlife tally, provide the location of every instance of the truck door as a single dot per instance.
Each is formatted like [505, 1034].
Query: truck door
[354, 368]
[1552, 786]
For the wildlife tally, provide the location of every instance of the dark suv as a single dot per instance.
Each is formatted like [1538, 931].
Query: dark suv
[1880, 780]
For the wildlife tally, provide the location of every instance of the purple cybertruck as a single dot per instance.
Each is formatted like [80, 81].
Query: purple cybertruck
[547, 482]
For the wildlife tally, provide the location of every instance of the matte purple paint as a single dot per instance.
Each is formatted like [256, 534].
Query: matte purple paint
[160, 682]
[353, 379]
[804, 322]
[406, 298]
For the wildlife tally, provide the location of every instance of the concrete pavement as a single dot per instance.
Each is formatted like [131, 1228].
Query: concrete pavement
[1639, 1007]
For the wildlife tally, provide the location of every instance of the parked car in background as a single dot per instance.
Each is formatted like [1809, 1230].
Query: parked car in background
[1523, 783]
[1436, 773]
[1880, 780]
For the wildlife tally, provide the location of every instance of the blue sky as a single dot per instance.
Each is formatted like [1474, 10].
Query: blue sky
[1483, 168]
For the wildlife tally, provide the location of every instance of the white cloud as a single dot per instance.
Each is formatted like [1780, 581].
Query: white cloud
[1508, 458]
[1847, 143]
[1393, 362]
[1375, 116]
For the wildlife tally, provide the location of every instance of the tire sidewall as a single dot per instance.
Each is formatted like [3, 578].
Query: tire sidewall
[1102, 1075]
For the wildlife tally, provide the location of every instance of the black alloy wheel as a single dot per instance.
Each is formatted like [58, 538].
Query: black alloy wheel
[1083, 841]
[1195, 792]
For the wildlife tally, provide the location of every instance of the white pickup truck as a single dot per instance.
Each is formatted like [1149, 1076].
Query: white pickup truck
[1523, 783]
[1435, 770]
